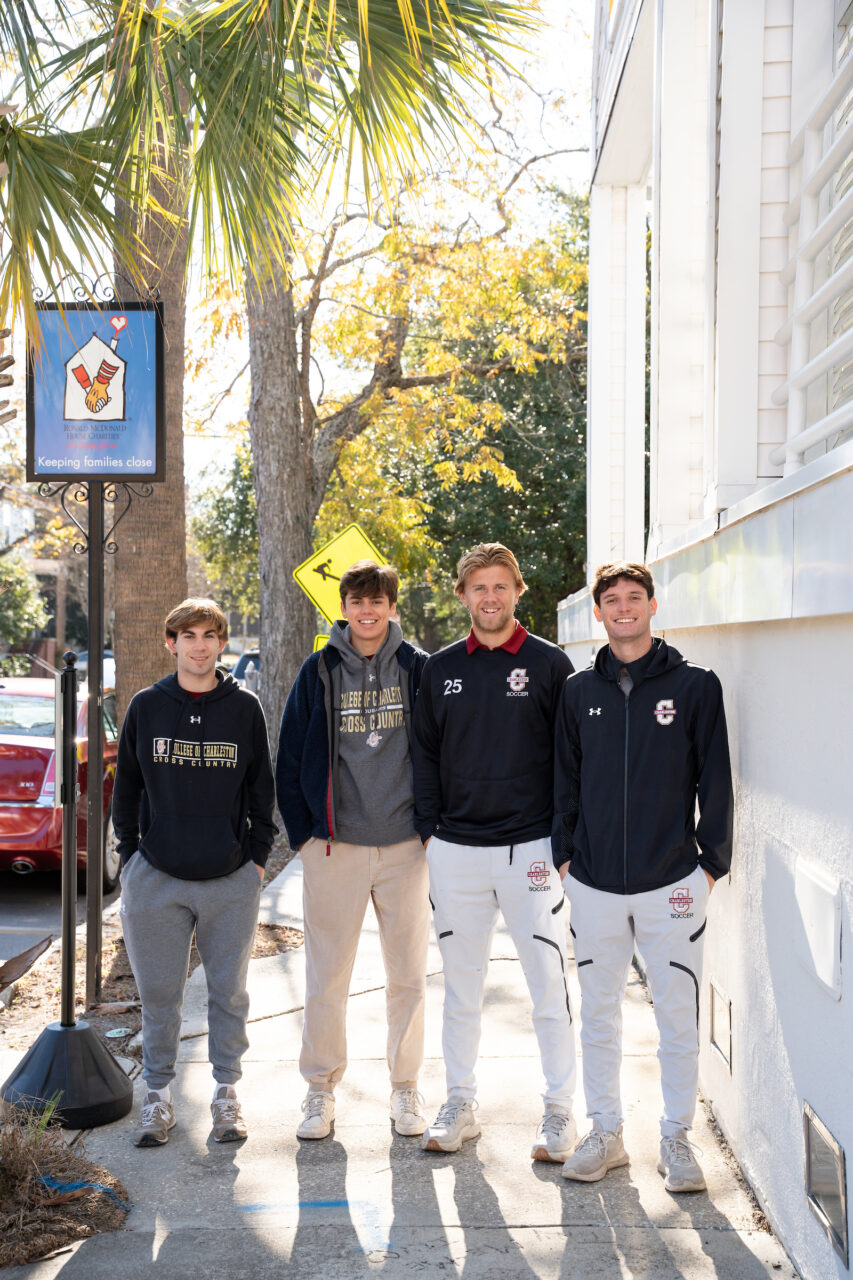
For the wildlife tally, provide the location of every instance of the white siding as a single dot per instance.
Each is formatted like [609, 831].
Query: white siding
[773, 253]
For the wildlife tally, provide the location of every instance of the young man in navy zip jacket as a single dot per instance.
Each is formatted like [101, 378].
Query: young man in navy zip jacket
[193, 813]
[484, 802]
[344, 785]
[641, 736]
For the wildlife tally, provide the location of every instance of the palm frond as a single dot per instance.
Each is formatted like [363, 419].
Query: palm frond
[223, 112]
[54, 214]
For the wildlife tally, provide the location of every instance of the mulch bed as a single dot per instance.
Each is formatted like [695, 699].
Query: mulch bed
[36, 1218]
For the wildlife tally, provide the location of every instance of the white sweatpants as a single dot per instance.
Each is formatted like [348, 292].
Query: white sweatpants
[468, 885]
[669, 927]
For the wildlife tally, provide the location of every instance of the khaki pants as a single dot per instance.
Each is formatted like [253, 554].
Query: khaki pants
[336, 891]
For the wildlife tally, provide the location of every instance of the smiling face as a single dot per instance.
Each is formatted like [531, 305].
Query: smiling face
[368, 618]
[490, 596]
[626, 612]
[196, 649]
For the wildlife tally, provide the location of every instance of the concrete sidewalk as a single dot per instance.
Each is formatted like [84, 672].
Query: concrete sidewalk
[365, 1202]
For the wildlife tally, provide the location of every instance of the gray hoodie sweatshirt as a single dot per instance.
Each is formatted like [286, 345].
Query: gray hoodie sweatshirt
[374, 802]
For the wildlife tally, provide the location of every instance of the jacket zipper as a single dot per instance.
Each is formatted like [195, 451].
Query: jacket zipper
[329, 813]
[625, 800]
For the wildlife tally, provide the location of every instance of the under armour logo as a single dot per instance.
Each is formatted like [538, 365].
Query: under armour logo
[595, 711]
[371, 677]
[195, 719]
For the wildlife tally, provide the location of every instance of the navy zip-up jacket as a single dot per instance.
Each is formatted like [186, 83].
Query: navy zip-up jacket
[629, 770]
[306, 765]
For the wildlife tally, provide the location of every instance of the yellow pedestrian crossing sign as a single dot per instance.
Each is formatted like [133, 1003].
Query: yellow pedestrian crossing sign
[319, 576]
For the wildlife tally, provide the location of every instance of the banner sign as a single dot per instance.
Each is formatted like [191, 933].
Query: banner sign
[319, 576]
[95, 393]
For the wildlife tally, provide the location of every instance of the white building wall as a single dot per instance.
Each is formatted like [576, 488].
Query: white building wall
[616, 377]
[791, 1041]
[754, 572]
[773, 244]
[677, 478]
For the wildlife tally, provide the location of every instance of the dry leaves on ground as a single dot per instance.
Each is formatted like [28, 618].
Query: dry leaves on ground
[41, 1205]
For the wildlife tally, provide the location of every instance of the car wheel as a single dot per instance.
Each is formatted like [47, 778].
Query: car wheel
[112, 857]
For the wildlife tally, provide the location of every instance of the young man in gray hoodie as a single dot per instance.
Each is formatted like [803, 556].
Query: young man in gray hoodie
[345, 792]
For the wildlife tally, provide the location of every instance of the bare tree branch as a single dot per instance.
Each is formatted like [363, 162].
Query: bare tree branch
[223, 396]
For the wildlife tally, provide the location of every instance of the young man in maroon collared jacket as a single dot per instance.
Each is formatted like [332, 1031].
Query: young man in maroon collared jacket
[484, 807]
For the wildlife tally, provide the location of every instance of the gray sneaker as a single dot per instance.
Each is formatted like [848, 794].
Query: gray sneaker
[228, 1122]
[556, 1136]
[155, 1120]
[595, 1154]
[454, 1124]
[677, 1161]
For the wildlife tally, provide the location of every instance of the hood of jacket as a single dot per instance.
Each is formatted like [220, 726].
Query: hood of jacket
[225, 686]
[664, 658]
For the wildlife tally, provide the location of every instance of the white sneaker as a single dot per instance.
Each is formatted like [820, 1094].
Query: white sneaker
[677, 1161]
[454, 1124]
[597, 1152]
[407, 1112]
[556, 1136]
[319, 1115]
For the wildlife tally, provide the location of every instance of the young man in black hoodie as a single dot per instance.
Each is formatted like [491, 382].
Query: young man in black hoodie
[484, 807]
[193, 812]
[344, 783]
[641, 736]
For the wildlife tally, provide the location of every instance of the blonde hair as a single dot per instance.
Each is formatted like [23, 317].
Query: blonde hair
[192, 611]
[483, 556]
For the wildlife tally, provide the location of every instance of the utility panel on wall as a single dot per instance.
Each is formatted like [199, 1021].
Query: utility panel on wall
[817, 937]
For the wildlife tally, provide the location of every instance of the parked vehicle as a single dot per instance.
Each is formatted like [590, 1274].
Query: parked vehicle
[30, 828]
[109, 676]
[248, 656]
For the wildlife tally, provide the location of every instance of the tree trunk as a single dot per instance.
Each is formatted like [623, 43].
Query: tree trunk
[151, 563]
[282, 456]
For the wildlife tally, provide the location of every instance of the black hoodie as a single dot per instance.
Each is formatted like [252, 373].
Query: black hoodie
[194, 786]
[629, 770]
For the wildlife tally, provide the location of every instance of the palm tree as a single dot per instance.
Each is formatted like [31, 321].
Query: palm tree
[212, 117]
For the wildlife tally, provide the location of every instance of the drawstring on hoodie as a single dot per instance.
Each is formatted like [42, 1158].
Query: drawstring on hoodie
[511, 847]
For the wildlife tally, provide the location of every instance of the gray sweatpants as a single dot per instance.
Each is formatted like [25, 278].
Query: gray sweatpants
[158, 914]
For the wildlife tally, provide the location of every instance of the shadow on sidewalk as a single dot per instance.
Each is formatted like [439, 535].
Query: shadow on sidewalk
[669, 1248]
[478, 1216]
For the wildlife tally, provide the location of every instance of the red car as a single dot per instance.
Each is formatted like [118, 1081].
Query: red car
[30, 828]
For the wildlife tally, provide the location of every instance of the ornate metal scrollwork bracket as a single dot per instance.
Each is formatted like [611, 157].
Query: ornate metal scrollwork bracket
[100, 291]
[114, 492]
[119, 493]
[76, 491]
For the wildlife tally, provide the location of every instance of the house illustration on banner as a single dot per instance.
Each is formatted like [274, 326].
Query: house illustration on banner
[94, 379]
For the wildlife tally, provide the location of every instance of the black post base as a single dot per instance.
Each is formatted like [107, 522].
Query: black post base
[72, 1065]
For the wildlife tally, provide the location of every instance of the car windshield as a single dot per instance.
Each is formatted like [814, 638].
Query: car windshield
[27, 716]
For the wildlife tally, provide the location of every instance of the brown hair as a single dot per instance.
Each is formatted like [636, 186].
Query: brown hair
[607, 574]
[367, 578]
[192, 611]
[483, 556]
